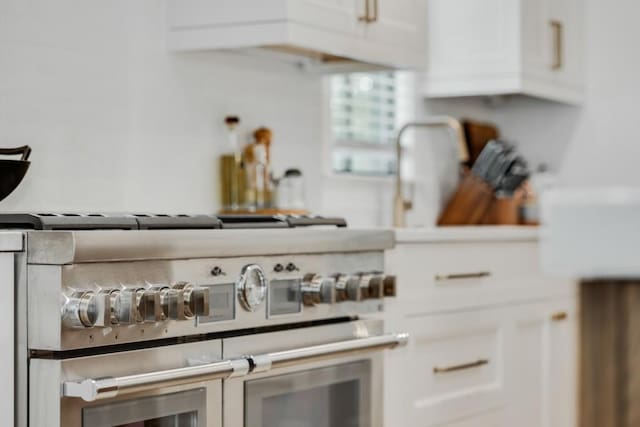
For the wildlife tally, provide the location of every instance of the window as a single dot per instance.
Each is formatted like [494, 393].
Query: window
[366, 110]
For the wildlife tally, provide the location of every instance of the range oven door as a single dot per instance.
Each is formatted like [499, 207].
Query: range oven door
[173, 386]
[325, 376]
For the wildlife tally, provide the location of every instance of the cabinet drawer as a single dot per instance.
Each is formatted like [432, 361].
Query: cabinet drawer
[447, 276]
[453, 367]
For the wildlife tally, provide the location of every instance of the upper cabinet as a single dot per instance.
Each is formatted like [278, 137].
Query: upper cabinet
[497, 47]
[351, 33]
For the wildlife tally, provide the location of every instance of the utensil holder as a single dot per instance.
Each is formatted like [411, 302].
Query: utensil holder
[503, 210]
[470, 203]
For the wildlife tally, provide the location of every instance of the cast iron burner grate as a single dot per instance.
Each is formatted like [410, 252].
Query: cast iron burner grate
[103, 221]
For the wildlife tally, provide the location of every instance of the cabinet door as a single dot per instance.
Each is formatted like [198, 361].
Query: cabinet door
[537, 39]
[338, 16]
[567, 42]
[397, 22]
[473, 47]
[562, 392]
[452, 370]
[542, 375]
[553, 46]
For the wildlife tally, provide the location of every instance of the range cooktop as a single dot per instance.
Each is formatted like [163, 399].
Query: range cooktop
[127, 221]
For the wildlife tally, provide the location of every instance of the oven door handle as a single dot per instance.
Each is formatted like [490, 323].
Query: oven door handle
[280, 359]
[90, 389]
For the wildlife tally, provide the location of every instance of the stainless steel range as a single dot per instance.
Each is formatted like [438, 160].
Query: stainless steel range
[194, 321]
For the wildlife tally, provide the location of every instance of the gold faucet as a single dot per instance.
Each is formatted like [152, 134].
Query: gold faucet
[400, 204]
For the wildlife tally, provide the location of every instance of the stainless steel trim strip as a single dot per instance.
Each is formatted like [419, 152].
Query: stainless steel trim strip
[90, 390]
[341, 348]
[67, 247]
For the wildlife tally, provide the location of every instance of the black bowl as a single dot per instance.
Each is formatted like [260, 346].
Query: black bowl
[11, 174]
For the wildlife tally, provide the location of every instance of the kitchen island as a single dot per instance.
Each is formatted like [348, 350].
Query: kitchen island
[593, 235]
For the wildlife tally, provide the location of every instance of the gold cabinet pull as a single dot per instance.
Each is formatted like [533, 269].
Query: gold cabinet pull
[461, 367]
[459, 276]
[374, 18]
[365, 17]
[559, 316]
[558, 38]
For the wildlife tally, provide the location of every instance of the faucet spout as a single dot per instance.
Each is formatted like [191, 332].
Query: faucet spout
[400, 204]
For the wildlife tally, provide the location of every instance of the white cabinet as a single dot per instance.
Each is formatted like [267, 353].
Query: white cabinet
[543, 378]
[453, 369]
[387, 33]
[494, 47]
[493, 342]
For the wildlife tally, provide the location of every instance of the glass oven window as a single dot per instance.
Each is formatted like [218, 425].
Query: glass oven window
[183, 409]
[187, 419]
[336, 396]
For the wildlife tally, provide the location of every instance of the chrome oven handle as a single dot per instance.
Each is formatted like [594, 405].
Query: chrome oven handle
[90, 390]
[320, 352]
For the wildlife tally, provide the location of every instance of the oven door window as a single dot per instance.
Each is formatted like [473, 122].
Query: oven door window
[336, 396]
[184, 409]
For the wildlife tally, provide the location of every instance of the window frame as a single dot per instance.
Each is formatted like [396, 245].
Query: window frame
[408, 84]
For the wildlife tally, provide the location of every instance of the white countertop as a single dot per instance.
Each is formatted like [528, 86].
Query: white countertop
[591, 232]
[466, 234]
[11, 241]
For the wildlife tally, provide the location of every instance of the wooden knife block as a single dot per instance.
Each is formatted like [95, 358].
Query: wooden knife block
[470, 204]
[503, 211]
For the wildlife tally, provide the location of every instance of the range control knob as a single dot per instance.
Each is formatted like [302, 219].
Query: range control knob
[376, 286]
[107, 307]
[354, 288]
[318, 289]
[389, 286]
[341, 287]
[137, 305]
[170, 302]
[80, 310]
[195, 300]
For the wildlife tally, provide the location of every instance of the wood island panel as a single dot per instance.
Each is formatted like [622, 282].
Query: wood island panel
[610, 354]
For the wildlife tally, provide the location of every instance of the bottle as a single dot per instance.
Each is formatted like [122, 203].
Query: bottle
[232, 177]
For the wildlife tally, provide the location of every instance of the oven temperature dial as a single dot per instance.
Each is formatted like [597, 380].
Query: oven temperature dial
[252, 287]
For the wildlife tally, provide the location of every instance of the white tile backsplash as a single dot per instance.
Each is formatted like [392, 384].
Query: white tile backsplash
[118, 123]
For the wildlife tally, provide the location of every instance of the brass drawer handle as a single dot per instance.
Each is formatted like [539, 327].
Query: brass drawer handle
[365, 17]
[558, 39]
[462, 367]
[559, 316]
[374, 18]
[458, 276]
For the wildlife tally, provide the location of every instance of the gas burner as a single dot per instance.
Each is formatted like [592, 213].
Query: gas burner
[104, 221]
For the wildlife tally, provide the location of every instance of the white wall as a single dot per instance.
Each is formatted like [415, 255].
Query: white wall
[117, 123]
